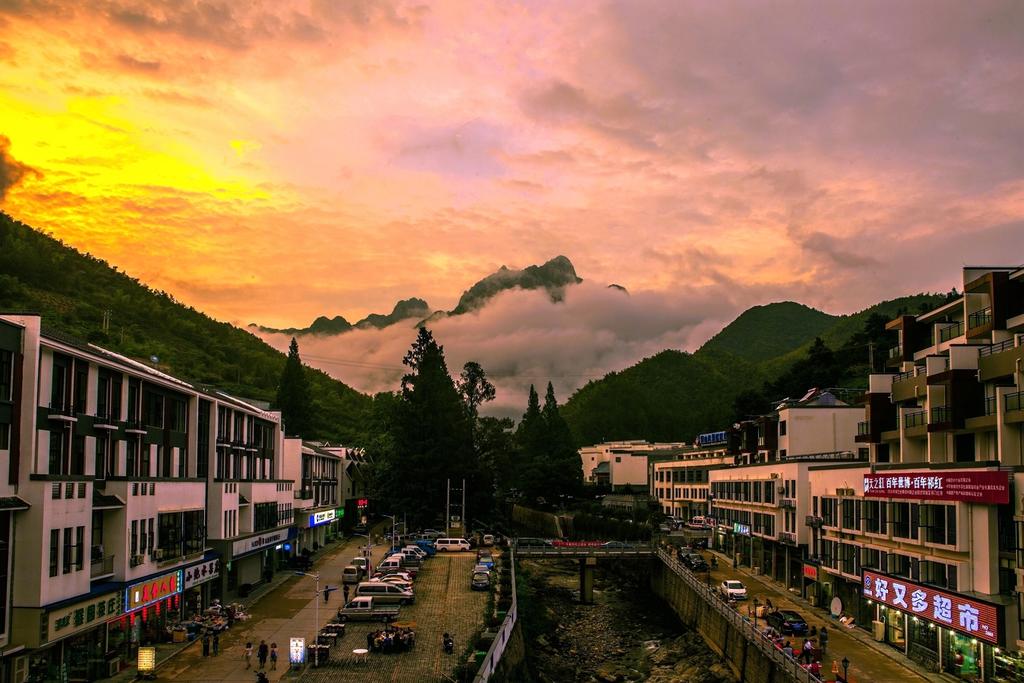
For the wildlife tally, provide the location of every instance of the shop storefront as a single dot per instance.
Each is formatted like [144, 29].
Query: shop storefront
[744, 543]
[942, 630]
[249, 562]
[150, 607]
[73, 645]
[810, 587]
[316, 529]
[196, 585]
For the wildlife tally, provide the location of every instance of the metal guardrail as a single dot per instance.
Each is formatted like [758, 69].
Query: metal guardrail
[584, 551]
[785, 664]
[915, 419]
[998, 347]
[508, 624]
[951, 332]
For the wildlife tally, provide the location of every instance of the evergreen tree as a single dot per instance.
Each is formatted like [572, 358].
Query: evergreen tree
[565, 469]
[293, 395]
[475, 388]
[530, 450]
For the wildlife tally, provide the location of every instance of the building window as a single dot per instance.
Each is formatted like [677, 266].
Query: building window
[54, 550]
[5, 436]
[135, 537]
[782, 427]
[68, 549]
[264, 516]
[59, 452]
[6, 375]
[79, 547]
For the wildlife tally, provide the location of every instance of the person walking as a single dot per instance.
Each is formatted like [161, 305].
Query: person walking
[206, 644]
[344, 592]
[273, 656]
[823, 640]
[216, 644]
[261, 654]
[808, 651]
[248, 655]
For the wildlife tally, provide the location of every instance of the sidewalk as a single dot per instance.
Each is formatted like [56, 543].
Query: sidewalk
[289, 614]
[869, 660]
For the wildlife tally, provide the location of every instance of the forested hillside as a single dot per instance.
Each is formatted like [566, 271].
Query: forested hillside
[674, 396]
[72, 291]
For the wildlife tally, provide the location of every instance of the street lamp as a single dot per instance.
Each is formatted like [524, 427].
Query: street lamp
[756, 603]
[367, 555]
[316, 617]
[392, 518]
[846, 665]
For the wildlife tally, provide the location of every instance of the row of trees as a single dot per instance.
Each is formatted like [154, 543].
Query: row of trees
[431, 431]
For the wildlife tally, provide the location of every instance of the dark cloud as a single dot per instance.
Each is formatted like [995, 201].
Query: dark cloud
[838, 252]
[141, 65]
[12, 171]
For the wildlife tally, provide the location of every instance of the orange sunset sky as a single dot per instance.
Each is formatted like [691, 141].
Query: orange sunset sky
[276, 161]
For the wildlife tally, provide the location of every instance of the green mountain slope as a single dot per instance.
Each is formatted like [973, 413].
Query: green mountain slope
[72, 291]
[668, 397]
[674, 396]
[765, 332]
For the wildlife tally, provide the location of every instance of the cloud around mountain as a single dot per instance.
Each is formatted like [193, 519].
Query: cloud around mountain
[522, 337]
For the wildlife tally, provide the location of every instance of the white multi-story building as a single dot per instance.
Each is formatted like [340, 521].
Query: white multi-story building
[624, 463]
[319, 508]
[131, 498]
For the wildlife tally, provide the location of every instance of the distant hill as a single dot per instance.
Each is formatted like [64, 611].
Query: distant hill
[764, 332]
[72, 291]
[553, 276]
[673, 396]
[403, 310]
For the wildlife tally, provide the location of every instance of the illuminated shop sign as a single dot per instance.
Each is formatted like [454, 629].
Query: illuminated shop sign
[741, 529]
[976, 619]
[148, 592]
[712, 438]
[324, 517]
[971, 487]
[200, 573]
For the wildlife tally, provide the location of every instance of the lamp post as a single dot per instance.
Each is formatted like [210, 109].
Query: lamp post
[367, 555]
[756, 603]
[846, 666]
[316, 617]
[392, 518]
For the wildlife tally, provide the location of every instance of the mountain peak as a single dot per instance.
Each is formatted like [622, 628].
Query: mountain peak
[553, 276]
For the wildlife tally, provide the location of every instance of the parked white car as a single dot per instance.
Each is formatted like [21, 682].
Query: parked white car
[733, 589]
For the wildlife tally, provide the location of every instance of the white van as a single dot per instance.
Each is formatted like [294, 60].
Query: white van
[448, 545]
[385, 593]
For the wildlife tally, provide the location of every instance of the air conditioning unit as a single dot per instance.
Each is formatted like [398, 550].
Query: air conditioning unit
[774, 475]
[781, 489]
[158, 554]
[845, 492]
[137, 560]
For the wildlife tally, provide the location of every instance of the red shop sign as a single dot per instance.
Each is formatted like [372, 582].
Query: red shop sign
[971, 487]
[810, 572]
[973, 618]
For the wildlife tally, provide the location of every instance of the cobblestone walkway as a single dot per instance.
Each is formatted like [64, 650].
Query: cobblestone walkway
[444, 602]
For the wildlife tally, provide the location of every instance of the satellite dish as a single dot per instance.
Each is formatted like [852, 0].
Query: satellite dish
[154, 359]
[836, 608]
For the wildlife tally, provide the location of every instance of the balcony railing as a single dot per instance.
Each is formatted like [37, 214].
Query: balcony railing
[787, 503]
[990, 405]
[915, 419]
[903, 376]
[951, 332]
[863, 428]
[787, 538]
[813, 521]
[993, 349]
[61, 410]
[979, 318]
[1015, 401]
[941, 415]
[101, 566]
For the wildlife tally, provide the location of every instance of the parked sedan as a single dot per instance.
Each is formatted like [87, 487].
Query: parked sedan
[733, 589]
[787, 621]
[481, 581]
[695, 563]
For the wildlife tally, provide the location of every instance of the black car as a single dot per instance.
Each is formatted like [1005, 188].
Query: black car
[787, 621]
[695, 563]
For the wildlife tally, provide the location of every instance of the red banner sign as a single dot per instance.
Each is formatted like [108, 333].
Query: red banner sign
[810, 572]
[577, 544]
[971, 487]
[975, 619]
[148, 592]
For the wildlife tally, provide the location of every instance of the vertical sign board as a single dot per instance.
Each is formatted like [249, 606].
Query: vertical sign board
[297, 651]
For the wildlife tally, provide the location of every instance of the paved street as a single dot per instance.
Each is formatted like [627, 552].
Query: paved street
[869, 661]
[443, 602]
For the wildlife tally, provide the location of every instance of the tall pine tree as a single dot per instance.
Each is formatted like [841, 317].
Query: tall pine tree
[293, 396]
[564, 464]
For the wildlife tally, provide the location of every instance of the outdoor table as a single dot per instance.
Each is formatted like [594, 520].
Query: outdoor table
[327, 638]
[361, 654]
[318, 653]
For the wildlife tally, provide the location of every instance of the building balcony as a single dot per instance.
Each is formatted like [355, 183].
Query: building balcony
[980, 321]
[999, 360]
[103, 419]
[102, 566]
[916, 418]
[813, 522]
[951, 332]
[787, 538]
[63, 412]
[789, 503]
[1014, 402]
[134, 426]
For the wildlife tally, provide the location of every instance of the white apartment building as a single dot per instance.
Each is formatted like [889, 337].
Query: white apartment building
[131, 498]
[319, 508]
[624, 463]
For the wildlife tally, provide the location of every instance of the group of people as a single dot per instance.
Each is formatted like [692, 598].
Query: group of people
[391, 639]
[809, 654]
[263, 652]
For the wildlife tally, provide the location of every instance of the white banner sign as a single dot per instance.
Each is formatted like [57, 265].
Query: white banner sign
[257, 542]
[200, 573]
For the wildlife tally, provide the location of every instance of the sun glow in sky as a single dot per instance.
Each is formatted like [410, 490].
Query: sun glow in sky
[277, 161]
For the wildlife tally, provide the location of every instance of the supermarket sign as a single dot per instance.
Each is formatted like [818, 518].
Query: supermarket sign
[971, 487]
[972, 618]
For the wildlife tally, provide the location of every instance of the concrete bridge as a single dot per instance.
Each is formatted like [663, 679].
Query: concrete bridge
[588, 556]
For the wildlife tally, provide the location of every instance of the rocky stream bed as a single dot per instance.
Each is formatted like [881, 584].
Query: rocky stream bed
[628, 634]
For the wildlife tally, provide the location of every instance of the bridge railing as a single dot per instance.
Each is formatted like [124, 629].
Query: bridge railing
[640, 550]
[508, 624]
[785, 664]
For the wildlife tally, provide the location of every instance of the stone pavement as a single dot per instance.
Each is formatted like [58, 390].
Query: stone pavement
[284, 612]
[444, 602]
[870, 661]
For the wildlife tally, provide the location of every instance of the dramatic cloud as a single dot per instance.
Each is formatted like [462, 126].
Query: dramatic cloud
[309, 157]
[522, 338]
[11, 170]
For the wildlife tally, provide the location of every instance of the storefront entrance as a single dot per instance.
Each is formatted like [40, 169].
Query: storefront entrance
[895, 628]
[963, 657]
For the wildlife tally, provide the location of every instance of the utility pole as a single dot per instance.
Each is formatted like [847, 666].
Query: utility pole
[448, 508]
[871, 355]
